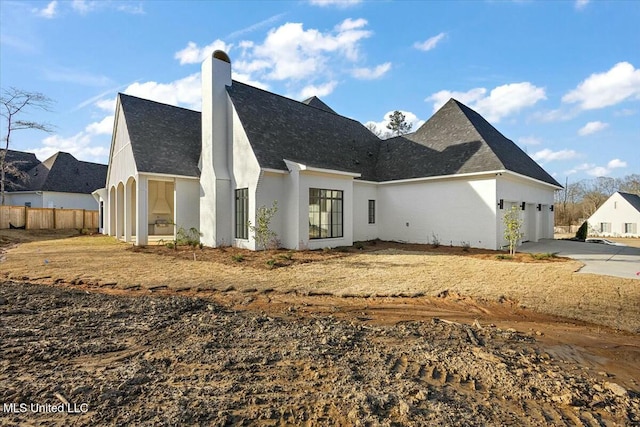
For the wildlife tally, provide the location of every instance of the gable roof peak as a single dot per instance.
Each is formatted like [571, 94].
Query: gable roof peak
[455, 124]
[316, 102]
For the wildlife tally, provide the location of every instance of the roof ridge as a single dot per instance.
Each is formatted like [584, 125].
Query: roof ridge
[295, 100]
[465, 110]
[158, 102]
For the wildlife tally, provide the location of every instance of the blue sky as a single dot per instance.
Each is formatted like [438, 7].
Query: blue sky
[559, 78]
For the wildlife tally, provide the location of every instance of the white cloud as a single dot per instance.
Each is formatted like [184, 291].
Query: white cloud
[103, 127]
[430, 43]
[529, 140]
[501, 102]
[84, 7]
[184, 92]
[319, 91]
[304, 59]
[548, 155]
[79, 145]
[593, 170]
[48, 12]
[601, 90]
[625, 112]
[69, 75]
[381, 126]
[351, 24]
[338, 3]
[371, 73]
[192, 54]
[581, 4]
[291, 52]
[598, 171]
[592, 127]
[616, 163]
[558, 115]
[108, 105]
[256, 26]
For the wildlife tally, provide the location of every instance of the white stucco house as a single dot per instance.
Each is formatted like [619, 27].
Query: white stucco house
[60, 182]
[333, 180]
[619, 216]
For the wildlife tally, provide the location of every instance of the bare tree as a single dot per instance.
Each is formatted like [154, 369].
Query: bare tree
[13, 103]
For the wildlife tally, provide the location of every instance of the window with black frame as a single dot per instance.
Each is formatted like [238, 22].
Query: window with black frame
[372, 211]
[325, 213]
[242, 213]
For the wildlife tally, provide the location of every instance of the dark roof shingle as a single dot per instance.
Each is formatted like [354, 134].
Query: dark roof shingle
[164, 139]
[64, 173]
[280, 128]
[473, 145]
[633, 199]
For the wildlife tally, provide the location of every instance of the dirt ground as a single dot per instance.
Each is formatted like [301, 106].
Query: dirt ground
[247, 353]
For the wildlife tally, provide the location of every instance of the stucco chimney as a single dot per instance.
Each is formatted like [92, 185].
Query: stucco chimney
[215, 183]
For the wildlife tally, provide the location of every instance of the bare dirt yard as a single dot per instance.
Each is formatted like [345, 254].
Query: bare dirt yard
[378, 334]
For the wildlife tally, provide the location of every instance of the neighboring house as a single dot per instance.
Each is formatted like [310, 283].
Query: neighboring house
[618, 216]
[333, 180]
[60, 182]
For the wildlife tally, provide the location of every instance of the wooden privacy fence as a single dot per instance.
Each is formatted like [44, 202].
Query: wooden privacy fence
[47, 218]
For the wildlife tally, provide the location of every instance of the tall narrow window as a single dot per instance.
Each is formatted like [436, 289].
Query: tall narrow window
[372, 211]
[630, 228]
[325, 213]
[242, 213]
[605, 227]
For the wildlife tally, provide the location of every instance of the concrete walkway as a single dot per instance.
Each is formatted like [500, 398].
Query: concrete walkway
[620, 261]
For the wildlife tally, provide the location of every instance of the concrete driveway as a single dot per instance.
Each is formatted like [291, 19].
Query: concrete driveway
[620, 261]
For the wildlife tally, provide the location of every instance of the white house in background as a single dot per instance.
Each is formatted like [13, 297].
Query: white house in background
[333, 180]
[61, 181]
[618, 216]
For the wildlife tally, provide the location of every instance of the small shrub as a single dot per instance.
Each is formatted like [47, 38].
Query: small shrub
[264, 236]
[581, 234]
[237, 258]
[271, 263]
[546, 255]
[466, 246]
[170, 245]
[189, 237]
[288, 256]
[504, 256]
[435, 241]
[326, 249]
[359, 245]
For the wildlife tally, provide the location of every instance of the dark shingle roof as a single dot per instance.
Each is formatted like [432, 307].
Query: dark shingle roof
[316, 102]
[633, 199]
[164, 138]
[467, 143]
[455, 140]
[22, 162]
[64, 173]
[280, 128]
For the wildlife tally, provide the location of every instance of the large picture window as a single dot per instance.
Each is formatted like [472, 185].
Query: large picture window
[242, 213]
[325, 213]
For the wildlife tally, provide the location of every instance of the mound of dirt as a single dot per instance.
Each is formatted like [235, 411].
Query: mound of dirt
[173, 360]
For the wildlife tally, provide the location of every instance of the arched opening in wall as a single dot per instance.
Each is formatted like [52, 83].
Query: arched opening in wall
[131, 205]
[120, 211]
[112, 211]
[222, 56]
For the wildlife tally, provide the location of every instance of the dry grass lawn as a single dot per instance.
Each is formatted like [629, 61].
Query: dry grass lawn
[547, 286]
